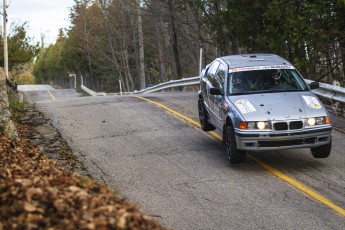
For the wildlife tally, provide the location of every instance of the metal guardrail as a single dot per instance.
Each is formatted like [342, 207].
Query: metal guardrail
[329, 92]
[171, 84]
[91, 92]
[326, 91]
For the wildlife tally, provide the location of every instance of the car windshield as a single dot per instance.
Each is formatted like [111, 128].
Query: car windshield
[263, 81]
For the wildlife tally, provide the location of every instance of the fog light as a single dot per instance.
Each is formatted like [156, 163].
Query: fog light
[311, 121]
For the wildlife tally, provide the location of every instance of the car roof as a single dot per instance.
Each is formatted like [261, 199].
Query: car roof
[249, 60]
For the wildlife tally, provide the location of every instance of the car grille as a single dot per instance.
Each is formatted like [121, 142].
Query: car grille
[284, 143]
[288, 125]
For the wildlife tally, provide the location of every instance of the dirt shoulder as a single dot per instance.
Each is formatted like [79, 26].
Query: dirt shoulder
[42, 186]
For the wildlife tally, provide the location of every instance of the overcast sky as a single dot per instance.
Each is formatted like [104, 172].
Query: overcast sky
[43, 16]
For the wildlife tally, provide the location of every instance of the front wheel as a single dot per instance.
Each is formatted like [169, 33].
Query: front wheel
[322, 151]
[235, 156]
[203, 117]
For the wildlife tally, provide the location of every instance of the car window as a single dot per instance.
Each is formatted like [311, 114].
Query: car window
[261, 81]
[202, 74]
[220, 77]
[211, 73]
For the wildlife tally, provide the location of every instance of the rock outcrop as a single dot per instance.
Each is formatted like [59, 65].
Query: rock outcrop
[7, 126]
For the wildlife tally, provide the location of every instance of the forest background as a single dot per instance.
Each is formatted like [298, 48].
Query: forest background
[145, 42]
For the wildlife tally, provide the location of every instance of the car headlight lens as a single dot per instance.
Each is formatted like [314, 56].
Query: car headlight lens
[253, 125]
[320, 120]
[327, 121]
[261, 125]
[312, 121]
[242, 125]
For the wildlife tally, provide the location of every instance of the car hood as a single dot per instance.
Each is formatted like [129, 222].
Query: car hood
[278, 106]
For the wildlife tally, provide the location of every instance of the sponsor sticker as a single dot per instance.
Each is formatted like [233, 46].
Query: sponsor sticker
[240, 69]
[312, 102]
[225, 105]
[245, 106]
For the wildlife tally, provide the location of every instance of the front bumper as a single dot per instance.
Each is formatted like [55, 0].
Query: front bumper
[269, 140]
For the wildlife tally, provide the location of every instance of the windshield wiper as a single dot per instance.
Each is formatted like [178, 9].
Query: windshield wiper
[288, 90]
[252, 92]
[261, 91]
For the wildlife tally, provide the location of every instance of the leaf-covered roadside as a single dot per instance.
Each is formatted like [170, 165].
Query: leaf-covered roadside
[36, 193]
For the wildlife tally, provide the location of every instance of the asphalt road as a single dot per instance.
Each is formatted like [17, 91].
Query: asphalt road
[180, 175]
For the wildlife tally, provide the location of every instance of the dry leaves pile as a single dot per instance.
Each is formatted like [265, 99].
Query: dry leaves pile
[36, 193]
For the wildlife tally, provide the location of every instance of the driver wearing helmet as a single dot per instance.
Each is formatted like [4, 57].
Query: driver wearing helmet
[276, 76]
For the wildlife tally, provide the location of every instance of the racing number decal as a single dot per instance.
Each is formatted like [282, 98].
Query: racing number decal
[312, 102]
[245, 106]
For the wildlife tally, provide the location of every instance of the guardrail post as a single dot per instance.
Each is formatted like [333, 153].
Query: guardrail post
[120, 86]
[75, 79]
[200, 63]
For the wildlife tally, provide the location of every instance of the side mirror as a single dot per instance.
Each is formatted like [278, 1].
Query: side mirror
[215, 91]
[314, 85]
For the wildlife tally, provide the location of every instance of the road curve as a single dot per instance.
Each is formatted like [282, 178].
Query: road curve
[180, 175]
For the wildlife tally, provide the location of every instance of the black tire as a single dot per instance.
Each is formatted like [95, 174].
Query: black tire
[203, 117]
[322, 151]
[235, 156]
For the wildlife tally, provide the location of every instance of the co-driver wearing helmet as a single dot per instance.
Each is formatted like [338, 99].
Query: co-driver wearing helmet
[239, 85]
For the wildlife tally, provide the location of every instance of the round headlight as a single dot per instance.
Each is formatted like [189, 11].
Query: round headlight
[251, 125]
[320, 120]
[311, 121]
[261, 125]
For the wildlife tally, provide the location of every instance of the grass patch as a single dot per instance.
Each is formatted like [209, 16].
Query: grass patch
[17, 106]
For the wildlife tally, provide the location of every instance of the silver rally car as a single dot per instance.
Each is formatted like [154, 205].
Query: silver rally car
[260, 102]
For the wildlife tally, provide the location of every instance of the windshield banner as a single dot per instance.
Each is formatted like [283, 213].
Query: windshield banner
[240, 69]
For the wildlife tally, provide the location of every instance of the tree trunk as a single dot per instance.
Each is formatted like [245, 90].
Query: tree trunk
[128, 70]
[141, 49]
[174, 40]
[235, 48]
[160, 49]
[342, 62]
[6, 124]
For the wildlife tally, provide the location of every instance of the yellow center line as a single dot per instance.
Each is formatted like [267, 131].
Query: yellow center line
[310, 192]
[51, 95]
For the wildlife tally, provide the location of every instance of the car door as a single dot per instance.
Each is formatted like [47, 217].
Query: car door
[210, 82]
[218, 100]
